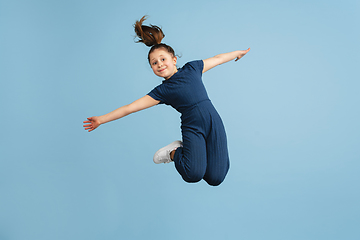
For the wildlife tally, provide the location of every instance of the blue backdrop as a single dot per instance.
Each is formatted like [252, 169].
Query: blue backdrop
[290, 108]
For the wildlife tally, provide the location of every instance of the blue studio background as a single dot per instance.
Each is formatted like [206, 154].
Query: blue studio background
[290, 108]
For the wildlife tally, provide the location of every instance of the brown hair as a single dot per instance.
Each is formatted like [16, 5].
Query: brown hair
[151, 36]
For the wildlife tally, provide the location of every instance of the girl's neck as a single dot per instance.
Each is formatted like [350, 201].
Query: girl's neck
[175, 71]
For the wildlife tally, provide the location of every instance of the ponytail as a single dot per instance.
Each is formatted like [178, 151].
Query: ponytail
[151, 36]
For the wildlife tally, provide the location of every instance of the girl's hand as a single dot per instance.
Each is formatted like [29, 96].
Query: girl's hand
[94, 122]
[241, 54]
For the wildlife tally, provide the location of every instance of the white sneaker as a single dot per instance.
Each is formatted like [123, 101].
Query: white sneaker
[163, 154]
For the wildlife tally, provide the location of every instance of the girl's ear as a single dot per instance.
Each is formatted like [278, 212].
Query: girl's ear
[175, 60]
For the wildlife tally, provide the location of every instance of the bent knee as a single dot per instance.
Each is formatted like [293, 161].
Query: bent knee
[214, 182]
[193, 177]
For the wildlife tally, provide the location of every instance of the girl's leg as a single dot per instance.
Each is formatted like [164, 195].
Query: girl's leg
[190, 160]
[217, 154]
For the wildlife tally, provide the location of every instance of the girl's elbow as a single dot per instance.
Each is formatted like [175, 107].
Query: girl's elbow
[219, 59]
[128, 109]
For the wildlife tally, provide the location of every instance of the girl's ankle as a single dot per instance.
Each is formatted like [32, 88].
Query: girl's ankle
[172, 154]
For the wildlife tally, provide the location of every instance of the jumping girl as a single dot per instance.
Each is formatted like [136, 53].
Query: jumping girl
[203, 152]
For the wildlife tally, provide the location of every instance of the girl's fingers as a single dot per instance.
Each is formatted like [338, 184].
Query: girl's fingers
[243, 54]
[89, 127]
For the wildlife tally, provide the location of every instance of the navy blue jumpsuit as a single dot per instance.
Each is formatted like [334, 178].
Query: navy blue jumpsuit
[204, 154]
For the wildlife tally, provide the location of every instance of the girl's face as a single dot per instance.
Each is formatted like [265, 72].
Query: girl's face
[163, 63]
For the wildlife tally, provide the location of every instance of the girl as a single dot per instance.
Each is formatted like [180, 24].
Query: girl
[203, 152]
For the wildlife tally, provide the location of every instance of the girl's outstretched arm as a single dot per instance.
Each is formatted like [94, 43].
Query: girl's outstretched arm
[140, 104]
[223, 58]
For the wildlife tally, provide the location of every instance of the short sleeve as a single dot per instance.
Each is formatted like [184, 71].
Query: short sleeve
[156, 94]
[197, 65]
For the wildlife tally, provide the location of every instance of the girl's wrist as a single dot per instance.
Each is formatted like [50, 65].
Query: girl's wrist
[101, 120]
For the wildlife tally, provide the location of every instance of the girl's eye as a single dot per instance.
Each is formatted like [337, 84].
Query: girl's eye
[163, 59]
[154, 63]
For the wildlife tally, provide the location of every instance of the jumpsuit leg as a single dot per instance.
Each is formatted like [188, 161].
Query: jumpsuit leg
[217, 154]
[204, 154]
[190, 160]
